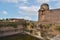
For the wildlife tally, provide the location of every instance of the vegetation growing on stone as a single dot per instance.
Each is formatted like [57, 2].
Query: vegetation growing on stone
[57, 28]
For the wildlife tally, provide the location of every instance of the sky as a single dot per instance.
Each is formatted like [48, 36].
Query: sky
[24, 9]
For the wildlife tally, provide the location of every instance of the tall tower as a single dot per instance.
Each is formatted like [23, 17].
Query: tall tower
[41, 15]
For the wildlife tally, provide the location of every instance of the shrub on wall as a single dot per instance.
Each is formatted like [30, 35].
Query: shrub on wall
[47, 25]
[57, 28]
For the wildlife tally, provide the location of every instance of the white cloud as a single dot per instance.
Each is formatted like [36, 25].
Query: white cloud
[24, 1]
[58, 4]
[14, 1]
[42, 1]
[29, 10]
[27, 18]
[45, 1]
[4, 12]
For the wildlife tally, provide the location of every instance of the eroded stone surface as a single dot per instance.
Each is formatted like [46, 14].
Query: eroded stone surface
[56, 37]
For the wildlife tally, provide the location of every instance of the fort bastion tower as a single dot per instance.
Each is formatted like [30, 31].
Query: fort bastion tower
[46, 15]
[41, 13]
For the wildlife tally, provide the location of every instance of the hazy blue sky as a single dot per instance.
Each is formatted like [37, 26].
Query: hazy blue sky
[26, 9]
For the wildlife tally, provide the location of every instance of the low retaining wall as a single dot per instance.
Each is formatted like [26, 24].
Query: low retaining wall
[10, 33]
